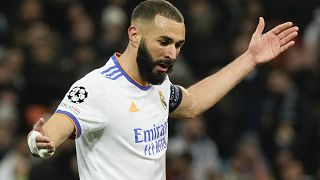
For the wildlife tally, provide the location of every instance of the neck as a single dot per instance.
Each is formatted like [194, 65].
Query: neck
[128, 61]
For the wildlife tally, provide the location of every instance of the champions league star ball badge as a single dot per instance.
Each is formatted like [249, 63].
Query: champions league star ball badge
[77, 95]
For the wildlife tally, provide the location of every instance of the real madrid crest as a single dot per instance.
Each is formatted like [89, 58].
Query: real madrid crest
[77, 94]
[163, 100]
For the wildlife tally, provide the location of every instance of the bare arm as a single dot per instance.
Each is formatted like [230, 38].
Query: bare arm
[262, 48]
[59, 128]
[53, 132]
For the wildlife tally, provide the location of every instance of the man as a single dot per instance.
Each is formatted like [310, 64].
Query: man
[118, 113]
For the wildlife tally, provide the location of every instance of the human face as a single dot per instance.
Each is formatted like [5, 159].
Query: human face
[146, 65]
[159, 48]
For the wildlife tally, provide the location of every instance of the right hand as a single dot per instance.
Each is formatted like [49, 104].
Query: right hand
[43, 141]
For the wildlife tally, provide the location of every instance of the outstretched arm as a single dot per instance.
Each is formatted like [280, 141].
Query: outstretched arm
[262, 48]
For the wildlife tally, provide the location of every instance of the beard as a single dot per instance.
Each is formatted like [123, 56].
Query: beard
[146, 65]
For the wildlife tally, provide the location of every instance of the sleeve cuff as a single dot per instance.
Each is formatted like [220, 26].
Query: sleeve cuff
[73, 119]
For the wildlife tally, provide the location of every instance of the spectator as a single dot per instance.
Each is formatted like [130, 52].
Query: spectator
[203, 152]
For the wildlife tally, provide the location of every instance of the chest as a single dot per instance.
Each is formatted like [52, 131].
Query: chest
[139, 121]
[131, 109]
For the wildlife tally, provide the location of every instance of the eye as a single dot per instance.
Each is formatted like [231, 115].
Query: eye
[179, 46]
[163, 43]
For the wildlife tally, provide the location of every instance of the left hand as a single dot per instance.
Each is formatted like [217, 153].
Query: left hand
[264, 47]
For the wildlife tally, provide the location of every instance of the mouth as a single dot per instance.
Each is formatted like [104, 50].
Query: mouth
[163, 67]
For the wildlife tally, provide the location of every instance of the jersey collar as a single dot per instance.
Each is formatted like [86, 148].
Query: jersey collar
[129, 78]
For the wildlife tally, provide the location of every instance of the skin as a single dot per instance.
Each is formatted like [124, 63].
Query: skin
[164, 38]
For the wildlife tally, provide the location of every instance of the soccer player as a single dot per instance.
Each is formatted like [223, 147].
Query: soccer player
[118, 113]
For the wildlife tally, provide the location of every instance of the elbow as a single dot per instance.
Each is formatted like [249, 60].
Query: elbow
[191, 113]
[193, 110]
[186, 114]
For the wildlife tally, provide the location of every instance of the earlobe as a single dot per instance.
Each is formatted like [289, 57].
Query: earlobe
[134, 36]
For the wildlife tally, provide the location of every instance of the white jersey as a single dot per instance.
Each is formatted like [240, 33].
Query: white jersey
[121, 126]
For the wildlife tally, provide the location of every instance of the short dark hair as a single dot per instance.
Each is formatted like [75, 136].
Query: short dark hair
[147, 10]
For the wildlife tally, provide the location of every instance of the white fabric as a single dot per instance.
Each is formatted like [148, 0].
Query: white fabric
[122, 127]
[32, 142]
[43, 153]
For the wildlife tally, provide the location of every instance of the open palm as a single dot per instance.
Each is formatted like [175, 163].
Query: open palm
[265, 47]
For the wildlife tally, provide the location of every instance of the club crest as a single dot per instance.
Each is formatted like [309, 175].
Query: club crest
[163, 100]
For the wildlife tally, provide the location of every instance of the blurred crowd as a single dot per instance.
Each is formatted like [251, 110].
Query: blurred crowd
[268, 127]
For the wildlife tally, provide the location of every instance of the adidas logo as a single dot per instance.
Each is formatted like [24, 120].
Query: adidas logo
[133, 108]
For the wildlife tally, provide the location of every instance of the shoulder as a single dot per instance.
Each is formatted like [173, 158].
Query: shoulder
[90, 80]
[96, 78]
[92, 86]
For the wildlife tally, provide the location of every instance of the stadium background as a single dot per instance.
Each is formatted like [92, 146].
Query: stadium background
[268, 127]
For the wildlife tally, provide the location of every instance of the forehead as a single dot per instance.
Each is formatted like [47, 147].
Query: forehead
[163, 26]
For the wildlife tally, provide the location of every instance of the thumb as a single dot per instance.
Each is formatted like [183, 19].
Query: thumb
[259, 28]
[39, 126]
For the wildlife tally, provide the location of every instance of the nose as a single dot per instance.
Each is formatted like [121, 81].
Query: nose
[171, 52]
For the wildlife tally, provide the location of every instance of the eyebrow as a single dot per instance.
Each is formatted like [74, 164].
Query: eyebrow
[170, 40]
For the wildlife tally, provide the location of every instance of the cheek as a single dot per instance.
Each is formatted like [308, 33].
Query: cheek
[178, 51]
[157, 51]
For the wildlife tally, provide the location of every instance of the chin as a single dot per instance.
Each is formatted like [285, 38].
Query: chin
[158, 79]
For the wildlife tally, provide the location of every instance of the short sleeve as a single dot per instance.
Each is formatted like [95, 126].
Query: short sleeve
[82, 106]
[175, 97]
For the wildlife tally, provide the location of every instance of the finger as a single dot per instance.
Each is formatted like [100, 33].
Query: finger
[278, 29]
[288, 38]
[287, 32]
[45, 145]
[51, 150]
[42, 139]
[259, 28]
[286, 46]
[39, 125]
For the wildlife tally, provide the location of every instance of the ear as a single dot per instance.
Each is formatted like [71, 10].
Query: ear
[134, 36]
